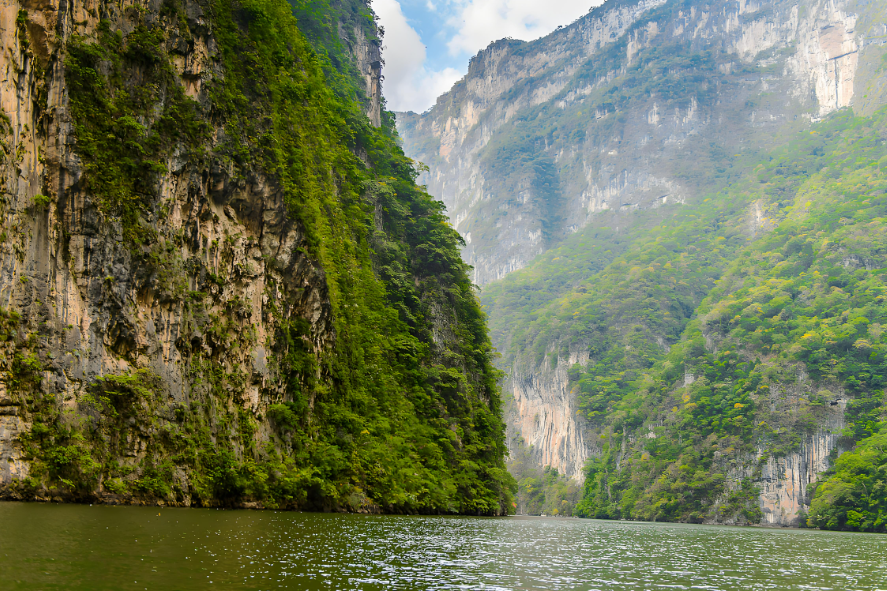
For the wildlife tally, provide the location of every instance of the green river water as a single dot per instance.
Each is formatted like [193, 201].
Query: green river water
[78, 547]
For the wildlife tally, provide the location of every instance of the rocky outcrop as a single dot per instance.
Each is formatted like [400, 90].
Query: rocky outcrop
[94, 305]
[543, 415]
[205, 294]
[368, 55]
[12, 465]
[784, 481]
[630, 150]
[784, 476]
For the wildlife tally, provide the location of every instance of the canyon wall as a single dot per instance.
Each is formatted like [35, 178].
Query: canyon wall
[636, 106]
[189, 305]
[542, 414]
[67, 272]
[775, 65]
[785, 481]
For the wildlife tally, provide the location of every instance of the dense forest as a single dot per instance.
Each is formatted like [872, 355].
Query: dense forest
[271, 311]
[771, 296]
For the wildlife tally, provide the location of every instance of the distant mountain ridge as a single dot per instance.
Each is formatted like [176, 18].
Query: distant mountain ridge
[632, 106]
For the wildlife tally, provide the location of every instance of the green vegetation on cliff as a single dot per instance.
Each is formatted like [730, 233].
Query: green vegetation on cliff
[854, 496]
[388, 400]
[541, 490]
[724, 335]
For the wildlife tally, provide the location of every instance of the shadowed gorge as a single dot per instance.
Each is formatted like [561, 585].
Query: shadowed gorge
[635, 269]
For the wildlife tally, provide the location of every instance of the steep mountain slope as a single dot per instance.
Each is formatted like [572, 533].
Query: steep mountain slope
[220, 282]
[637, 104]
[616, 375]
[778, 362]
[782, 363]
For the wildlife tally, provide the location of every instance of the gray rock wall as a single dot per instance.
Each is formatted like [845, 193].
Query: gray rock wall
[806, 55]
[97, 307]
[543, 413]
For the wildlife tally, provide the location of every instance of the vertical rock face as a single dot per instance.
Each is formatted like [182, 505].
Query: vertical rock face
[12, 466]
[67, 270]
[368, 54]
[784, 481]
[544, 415]
[184, 267]
[760, 69]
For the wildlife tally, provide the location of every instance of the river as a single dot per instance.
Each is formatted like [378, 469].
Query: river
[78, 547]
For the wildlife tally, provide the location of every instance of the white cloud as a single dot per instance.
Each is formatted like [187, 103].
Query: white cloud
[480, 22]
[470, 25]
[409, 85]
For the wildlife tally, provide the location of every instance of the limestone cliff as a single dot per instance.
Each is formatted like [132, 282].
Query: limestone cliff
[760, 69]
[542, 414]
[638, 106]
[784, 480]
[192, 311]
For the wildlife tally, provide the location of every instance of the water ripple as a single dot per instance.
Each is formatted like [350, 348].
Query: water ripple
[132, 548]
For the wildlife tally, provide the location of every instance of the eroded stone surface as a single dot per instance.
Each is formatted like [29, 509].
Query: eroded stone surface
[815, 55]
[65, 268]
[543, 413]
[808, 53]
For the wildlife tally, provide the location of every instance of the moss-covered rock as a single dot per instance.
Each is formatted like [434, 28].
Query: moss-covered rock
[233, 292]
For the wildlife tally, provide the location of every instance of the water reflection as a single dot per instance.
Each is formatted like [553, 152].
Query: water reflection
[81, 547]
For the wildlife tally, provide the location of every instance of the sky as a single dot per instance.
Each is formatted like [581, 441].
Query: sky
[428, 43]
